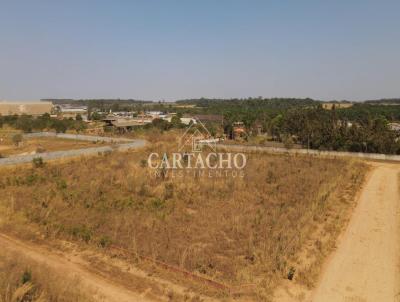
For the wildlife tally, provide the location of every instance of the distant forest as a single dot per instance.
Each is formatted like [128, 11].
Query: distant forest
[362, 127]
[384, 101]
[252, 109]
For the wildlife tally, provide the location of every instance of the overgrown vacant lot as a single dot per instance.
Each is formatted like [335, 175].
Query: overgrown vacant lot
[41, 144]
[256, 229]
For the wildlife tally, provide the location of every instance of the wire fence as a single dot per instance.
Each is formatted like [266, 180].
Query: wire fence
[230, 289]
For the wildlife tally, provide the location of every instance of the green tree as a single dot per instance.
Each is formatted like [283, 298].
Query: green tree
[17, 139]
[24, 123]
[176, 122]
[160, 124]
[60, 126]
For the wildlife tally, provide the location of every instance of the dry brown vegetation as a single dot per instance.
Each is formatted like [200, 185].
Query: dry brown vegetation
[234, 230]
[42, 144]
[24, 280]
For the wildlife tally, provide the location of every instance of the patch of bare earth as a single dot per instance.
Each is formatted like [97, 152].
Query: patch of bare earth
[365, 264]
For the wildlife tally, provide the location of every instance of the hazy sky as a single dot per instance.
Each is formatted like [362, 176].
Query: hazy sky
[182, 49]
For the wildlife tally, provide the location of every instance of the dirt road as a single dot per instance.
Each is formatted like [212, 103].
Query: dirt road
[104, 289]
[365, 266]
[122, 144]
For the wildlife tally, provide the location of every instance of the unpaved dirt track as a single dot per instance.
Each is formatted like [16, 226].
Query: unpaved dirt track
[105, 289]
[365, 267]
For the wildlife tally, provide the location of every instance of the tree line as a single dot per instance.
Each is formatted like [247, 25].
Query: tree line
[321, 129]
[28, 123]
[362, 127]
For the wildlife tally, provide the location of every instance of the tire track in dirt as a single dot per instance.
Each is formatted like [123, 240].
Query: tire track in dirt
[106, 290]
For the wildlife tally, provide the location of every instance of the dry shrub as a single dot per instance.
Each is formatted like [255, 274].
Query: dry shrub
[236, 230]
[24, 280]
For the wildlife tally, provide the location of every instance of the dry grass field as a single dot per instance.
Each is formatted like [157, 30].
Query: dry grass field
[41, 144]
[277, 222]
[24, 280]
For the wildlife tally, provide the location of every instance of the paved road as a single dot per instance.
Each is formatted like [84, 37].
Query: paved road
[123, 144]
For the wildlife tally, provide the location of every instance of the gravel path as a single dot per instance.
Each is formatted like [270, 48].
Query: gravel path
[123, 144]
